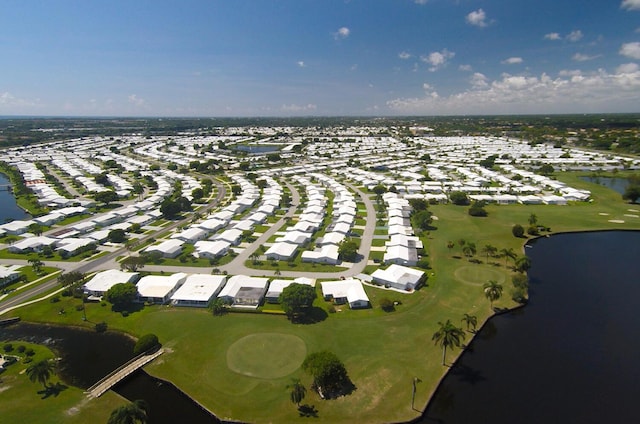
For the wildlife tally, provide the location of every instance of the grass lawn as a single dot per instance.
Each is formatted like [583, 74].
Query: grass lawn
[235, 364]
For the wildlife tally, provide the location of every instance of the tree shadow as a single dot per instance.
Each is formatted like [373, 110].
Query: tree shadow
[308, 411]
[467, 374]
[314, 315]
[53, 390]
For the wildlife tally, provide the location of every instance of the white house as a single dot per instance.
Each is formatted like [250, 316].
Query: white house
[277, 286]
[159, 288]
[31, 244]
[9, 274]
[244, 291]
[168, 248]
[211, 249]
[348, 291]
[198, 290]
[398, 277]
[104, 280]
[281, 251]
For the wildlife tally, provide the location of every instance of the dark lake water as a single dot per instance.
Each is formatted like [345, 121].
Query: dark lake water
[571, 355]
[617, 184]
[9, 210]
[257, 148]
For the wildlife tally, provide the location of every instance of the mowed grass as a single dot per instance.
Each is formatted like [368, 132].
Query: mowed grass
[216, 359]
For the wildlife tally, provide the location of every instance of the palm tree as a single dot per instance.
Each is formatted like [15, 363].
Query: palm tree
[41, 372]
[522, 264]
[131, 413]
[450, 245]
[448, 335]
[533, 219]
[489, 250]
[469, 249]
[492, 291]
[298, 391]
[471, 321]
[508, 254]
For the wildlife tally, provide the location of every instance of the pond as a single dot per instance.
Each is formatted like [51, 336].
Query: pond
[571, 355]
[614, 183]
[9, 209]
[257, 148]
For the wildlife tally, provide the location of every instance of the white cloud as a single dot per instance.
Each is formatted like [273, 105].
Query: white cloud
[9, 100]
[477, 18]
[512, 61]
[135, 100]
[438, 60]
[574, 36]
[579, 57]
[301, 64]
[298, 108]
[630, 4]
[552, 36]
[404, 55]
[570, 91]
[631, 50]
[466, 68]
[341, 33]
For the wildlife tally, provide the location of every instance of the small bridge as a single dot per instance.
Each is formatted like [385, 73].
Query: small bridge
[119, 374]
[5, 187]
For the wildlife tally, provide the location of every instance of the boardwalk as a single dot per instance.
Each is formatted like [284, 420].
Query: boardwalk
[119, 374]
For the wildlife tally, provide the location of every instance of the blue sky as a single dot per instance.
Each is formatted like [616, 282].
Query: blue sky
[318, 57]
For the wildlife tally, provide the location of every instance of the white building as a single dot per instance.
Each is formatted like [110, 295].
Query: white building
[348, 291]
[159, 288]
[198, 290]
[244, 291]
[104, 280]
[398, 277]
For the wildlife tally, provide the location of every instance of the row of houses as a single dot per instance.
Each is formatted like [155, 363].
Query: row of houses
[402, 246]
[198, 290]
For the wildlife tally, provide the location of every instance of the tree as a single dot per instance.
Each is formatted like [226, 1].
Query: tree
[71, 279]
[330, 376]
[117, 236]
[459, 198]
[469, 249]
[533, 219]
[522, 264]
[448, 335]
[298, 391]
[471, 321]
[379, 190]
[517, 230]
[348, 250]
[35, 228]
[632, 193]
[217, 306]
[133, 263]
[450, 245]
[418, 204]
[297, 299]
[41, 372]
[145, 343]
[546, 169]
[489, 250]
[106, 196]
[477, 209]
[507, 254]
[131, 413]
[422, 219]
[121, 295]
[36, 264]
[197, 193]
[492, 291]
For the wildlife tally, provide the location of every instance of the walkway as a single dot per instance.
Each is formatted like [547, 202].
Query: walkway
[119, 374]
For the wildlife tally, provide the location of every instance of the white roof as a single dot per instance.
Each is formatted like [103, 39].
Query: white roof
[199, 287]
[159, 285]
[276, 286]
[351, 288]
[103, 281]
[397, 274]
[235, 283]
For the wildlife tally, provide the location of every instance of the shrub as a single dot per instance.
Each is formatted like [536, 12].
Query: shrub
[125, 313]
[145, 343]
[27, 360]
[423, 263]
[8, 347]
[21, 349]
[101, 327]
[55, 299]
[517, 230]
[533, 230]
[29, 352]
[79, 307]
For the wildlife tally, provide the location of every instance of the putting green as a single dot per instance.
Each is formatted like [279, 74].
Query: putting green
[478, 275]
[266, 355]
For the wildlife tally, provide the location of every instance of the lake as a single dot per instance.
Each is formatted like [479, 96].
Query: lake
[570, 356]
[9, 209]
[617, 184]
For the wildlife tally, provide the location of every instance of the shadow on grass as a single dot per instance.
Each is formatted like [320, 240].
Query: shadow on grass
[53, 390]
[308, 411]
[314, 315]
